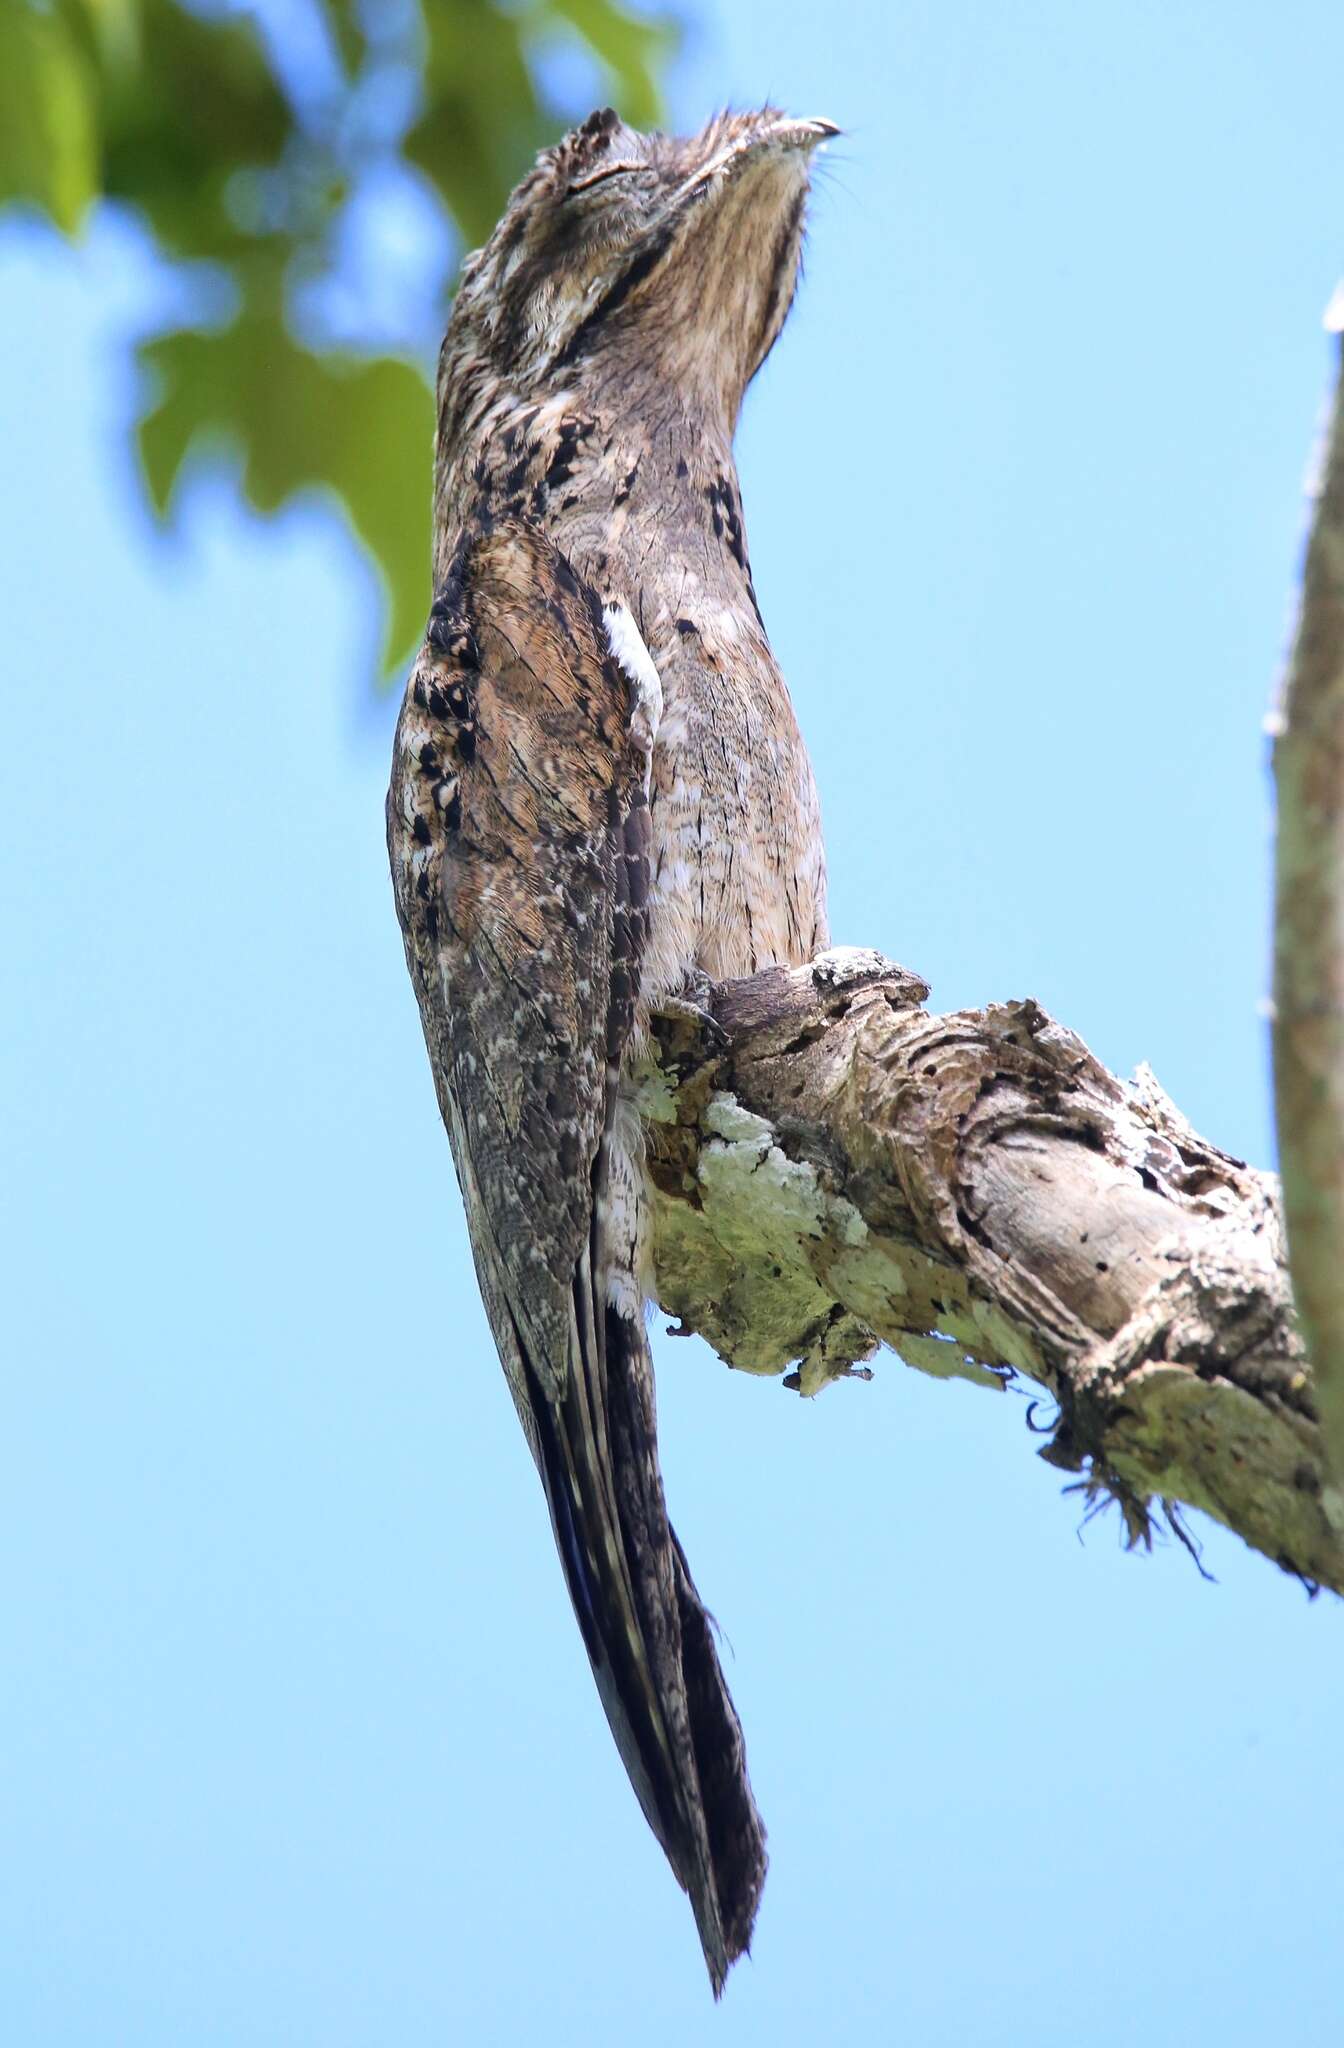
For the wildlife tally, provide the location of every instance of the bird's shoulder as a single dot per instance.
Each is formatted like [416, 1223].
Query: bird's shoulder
[514, 753]
[519, 844]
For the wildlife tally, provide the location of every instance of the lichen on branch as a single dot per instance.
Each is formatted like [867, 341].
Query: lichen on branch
[836, 1167]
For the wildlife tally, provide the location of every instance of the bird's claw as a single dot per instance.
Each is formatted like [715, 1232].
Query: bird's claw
[685, 1010]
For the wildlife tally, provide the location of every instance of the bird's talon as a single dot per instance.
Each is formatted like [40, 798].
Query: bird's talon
[684, 1011]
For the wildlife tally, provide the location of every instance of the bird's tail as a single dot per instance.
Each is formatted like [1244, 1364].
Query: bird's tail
[648, 1636]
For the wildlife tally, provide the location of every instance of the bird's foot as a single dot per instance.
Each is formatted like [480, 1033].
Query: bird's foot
[691, 1006]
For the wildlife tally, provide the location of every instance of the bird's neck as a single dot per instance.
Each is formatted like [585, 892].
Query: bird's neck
[604, 462]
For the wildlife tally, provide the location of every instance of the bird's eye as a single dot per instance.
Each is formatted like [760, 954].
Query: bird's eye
[599, 177]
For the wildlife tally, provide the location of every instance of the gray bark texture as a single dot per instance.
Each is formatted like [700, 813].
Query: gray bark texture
[834, 1168]
[1309, 936]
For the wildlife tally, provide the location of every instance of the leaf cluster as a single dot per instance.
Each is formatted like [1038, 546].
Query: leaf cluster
[243, 140]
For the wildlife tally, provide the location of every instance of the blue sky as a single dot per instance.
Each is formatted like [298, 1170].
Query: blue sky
[299, 1741]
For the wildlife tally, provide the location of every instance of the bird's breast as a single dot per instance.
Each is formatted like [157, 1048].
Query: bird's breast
[738, 868]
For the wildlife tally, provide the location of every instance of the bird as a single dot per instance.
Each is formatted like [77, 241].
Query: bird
[600, 805]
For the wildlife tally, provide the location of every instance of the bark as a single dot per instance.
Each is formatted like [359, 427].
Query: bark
[1309, 939]
[834, 1167]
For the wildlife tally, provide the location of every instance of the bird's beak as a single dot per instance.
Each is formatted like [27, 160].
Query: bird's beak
[784, 133]
[800, 134]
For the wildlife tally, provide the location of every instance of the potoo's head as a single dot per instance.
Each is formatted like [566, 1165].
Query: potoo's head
[632, 252]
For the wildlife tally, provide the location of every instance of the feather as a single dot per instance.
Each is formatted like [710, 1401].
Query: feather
[518, 832]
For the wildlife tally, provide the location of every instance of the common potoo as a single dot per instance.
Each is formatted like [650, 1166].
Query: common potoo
[600, 797]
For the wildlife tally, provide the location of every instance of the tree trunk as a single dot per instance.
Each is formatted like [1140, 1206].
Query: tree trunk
[1309, 937]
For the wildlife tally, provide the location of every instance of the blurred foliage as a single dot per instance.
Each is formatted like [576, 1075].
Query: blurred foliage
[243, 139]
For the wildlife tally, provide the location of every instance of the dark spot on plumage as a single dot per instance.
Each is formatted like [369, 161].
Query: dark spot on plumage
[438, 701]
[432, 920]
[573, 431]
[420, 831]
[419, 693]
[726, 518]
[687, 626]
[682, 470]
[447, 634]
[572, 499]
[612, 674]
[564, 574]
[429, 757]
[452, 816]
[635, 272]
[637, 881]
[422, 885]
[466, 743]
[783, 281]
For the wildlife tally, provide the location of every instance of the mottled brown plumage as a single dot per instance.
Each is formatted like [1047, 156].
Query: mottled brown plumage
[599, 795]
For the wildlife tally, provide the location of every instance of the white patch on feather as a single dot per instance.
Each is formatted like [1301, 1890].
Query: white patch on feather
[627, 646]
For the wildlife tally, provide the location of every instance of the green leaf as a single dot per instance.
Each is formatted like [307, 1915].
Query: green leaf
[381, 468]
[358, 427]
[482, 121]
[176, 109]
[632, 49]
[344, 19]
[188, 102]
[48, 135]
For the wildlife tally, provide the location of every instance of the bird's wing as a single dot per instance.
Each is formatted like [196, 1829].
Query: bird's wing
[518, 829]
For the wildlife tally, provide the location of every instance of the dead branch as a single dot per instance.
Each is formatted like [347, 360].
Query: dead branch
[835, 1167]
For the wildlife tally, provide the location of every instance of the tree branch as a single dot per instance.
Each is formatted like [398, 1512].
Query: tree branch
[834, 1166]
[1309, 938]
